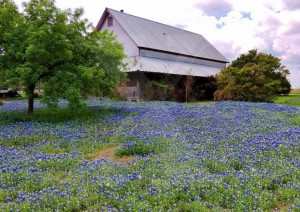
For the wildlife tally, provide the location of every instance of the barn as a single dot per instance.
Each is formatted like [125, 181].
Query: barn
[155, 51]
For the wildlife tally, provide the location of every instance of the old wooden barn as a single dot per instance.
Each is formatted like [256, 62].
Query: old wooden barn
[155, 49]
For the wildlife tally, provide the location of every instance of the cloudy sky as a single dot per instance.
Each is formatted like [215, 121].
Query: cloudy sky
[232, 26]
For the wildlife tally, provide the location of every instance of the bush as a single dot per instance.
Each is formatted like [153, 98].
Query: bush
[255, 77]
[1, 102]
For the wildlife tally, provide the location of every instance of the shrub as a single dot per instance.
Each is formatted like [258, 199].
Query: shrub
[255, 77]
[1, 102]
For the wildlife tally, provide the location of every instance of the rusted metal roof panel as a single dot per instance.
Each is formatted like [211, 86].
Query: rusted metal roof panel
[153, 35]
[155, 65]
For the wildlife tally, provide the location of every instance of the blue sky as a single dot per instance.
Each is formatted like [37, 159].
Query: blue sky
[233, 27]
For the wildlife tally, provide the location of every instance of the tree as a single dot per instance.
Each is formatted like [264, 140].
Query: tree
[57, 50]
[189, 81]
[254, 77]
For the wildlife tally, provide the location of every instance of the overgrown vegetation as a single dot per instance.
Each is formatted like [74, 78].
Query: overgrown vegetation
[178, 88]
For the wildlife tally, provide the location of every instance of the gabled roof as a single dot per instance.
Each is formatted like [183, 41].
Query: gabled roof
[156, 36]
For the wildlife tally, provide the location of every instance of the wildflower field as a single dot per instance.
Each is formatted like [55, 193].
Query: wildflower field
[151, 156]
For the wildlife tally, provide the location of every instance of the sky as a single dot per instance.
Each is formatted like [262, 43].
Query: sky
[232, 26]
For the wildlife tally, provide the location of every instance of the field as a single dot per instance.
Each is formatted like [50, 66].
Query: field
[292, 99]
[150, 156]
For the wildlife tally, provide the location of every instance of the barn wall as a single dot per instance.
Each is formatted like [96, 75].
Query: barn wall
[130, 47]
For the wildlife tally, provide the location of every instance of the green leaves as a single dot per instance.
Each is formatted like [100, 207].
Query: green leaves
[256, 77]
[58, 51]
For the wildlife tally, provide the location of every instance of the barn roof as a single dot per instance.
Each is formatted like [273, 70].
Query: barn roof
[156, 36]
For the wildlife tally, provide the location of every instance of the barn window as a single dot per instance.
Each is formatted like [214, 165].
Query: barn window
[109, 21]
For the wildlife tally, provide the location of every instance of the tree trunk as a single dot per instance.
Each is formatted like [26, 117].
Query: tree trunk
[31, 99]
[186, 94]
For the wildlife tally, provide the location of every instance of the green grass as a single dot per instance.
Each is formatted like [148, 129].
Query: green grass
[295, 120]
[200, 102]
[141, 148]
[53, 115]
[293, 100]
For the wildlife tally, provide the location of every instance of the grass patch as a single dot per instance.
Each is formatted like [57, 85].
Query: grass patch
[293, 100]
[295, 91]
[199, 103]
[214, 166]
[295, 120]
[54, 115]
[141, 148]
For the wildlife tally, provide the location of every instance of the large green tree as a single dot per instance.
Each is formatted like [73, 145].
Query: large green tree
[254, 76]
[58, 50]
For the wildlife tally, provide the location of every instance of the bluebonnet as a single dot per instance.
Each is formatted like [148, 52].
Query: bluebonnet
[223, 155]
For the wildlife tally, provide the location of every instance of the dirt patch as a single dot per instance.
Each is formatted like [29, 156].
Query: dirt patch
[108, 153]
[105, 153]
[283, 207]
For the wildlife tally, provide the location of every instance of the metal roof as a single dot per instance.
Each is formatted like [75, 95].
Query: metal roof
[153, 35]
[155, 65]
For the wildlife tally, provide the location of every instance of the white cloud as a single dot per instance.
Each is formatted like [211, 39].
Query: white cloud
[217, 9]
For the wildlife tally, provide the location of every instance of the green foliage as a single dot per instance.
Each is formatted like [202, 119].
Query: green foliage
[140, 148]
[287, 194]
[74, 99]
[57, 50]
[237, 165]
[193, 206]
[157, 90]
[204, 88]
[214, 166]
[1, 102]
[143, 148]
[254, 76]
